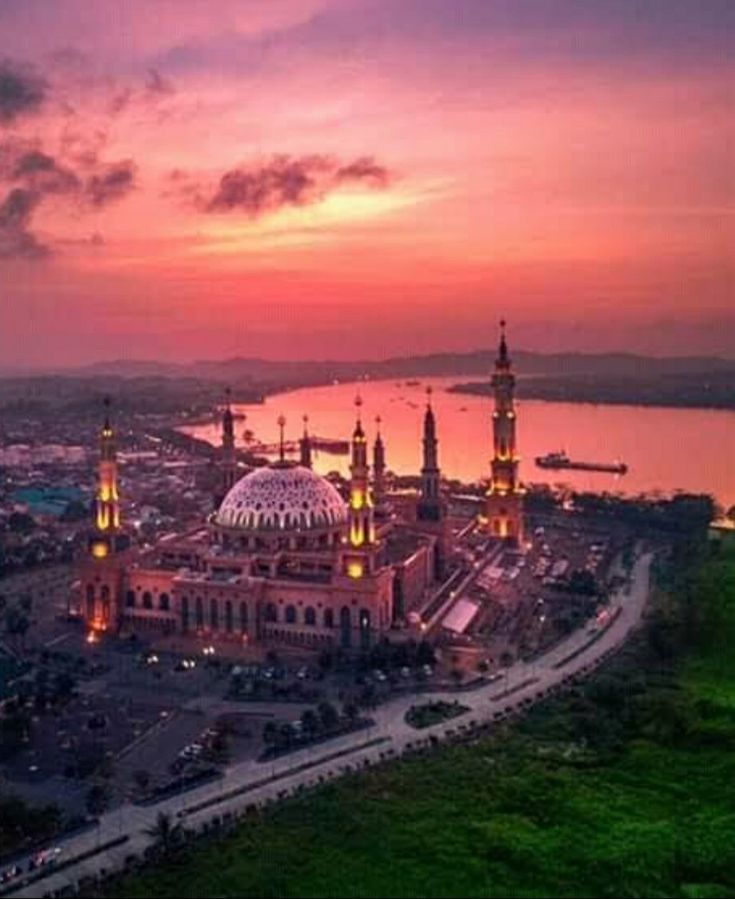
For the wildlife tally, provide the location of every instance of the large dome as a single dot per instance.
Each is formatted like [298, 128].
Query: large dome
[282, 497]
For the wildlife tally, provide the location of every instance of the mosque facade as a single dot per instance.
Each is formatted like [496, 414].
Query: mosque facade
[285, 559]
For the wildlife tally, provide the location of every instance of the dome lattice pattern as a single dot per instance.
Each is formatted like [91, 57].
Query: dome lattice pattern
[287, 497]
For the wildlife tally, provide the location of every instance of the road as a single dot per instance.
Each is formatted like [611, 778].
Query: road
[243, 784]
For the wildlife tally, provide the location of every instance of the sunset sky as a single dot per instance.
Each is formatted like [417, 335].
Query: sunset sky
[310, 178]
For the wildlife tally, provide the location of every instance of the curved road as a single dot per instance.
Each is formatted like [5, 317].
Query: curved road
[243, 784]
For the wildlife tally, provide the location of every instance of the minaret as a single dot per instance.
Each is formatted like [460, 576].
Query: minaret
[361, 502]
[305, 446]
[361, 538]
[229, 454]
[281, 440]
[107, 502]
[100, 570]
[429, 507]
[504, 509]
[378, 468]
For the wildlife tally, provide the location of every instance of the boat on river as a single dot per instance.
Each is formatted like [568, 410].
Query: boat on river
[560, 460]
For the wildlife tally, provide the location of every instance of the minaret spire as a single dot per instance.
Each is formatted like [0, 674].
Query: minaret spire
[362, 527]
[305, 445]
[281, 439]
[107, 505]
[503, 358]
[504, 512]
[228, 457]
[429, 507]
[378, 467]
[101, 572]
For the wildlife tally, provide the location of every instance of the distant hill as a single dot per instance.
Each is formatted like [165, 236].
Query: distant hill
[478, 362]
[195, 388]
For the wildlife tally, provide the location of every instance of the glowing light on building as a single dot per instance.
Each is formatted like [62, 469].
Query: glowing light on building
[504, 514]
[107, 502]
[99, 550]
[355, 569]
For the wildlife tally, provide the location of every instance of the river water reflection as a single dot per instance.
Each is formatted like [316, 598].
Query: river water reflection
[665, 449]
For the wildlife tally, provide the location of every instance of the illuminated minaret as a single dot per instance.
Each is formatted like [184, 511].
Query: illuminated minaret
[107, 502]
[504, 509]
[361, 538]
[361, 502]
[378, 468]
[429, 507]
[305, 446]
[100, 570]
[229, 454]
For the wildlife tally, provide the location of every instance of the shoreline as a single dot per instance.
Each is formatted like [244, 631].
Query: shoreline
[470, 388]
[484, 389]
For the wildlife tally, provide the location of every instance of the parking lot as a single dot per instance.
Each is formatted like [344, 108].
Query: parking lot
[519, 602]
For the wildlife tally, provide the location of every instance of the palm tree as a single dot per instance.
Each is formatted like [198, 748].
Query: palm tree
[328, 715]
[142, 779]
[270, 733]
[98, 798]
[310, 722]
[165, 834]
[506, 659]
[16, 625]
[351, 711]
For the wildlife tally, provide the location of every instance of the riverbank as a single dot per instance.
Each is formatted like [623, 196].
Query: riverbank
[705, 390]
[642, 440]
[616, 788]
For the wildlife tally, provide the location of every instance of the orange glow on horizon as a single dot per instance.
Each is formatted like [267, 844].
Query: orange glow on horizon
[591, 190]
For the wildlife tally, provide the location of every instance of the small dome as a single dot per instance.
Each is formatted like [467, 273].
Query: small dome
[282, 497]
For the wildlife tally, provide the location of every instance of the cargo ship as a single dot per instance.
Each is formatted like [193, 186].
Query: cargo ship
[562, 461]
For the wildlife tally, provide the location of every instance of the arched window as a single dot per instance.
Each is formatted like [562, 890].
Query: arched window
[364, 628]
[310, 616]
[130, 599]
[147, 600]
[228, 616]
[213, 614]
[290, 614]
[105, 592]
[271, 612]
[164, 604]
[243, 616]
[345, 626]
[328, 618]
[184, 613]
[200, 612]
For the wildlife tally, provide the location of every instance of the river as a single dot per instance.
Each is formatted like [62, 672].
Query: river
[665, 449]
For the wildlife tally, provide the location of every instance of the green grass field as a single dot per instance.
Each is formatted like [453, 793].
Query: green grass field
[626, 787]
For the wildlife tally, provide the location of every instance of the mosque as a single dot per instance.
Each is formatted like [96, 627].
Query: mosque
[285, 560]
